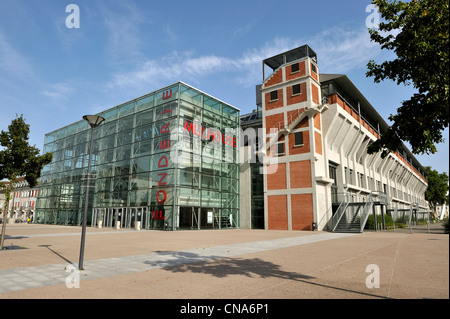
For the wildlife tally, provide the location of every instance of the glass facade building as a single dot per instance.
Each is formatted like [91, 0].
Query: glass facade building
[168, 160]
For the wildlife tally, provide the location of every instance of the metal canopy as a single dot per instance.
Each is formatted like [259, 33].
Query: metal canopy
[296, 54]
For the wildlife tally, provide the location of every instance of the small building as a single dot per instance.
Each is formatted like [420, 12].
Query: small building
[22, 205]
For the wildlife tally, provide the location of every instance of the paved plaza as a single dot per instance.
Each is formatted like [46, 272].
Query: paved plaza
[223, 264]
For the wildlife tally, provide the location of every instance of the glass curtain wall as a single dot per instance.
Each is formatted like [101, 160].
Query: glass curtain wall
[147, 155]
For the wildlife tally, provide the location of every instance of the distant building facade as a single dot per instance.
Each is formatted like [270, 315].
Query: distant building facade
[22, 205]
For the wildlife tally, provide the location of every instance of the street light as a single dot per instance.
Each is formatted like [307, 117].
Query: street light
[93, 121]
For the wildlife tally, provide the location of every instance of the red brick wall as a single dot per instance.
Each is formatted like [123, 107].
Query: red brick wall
[276, 103]
[276, 78]
[277, 180]
[272, 120]
[300, 73]
[315, 94]
[314, 75]
[277, 212]
[317, 121]
[318, 142]
[302, 97]
[300, 174]
[302, 211]
[299, 149]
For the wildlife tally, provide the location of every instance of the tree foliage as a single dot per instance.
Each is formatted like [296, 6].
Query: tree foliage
[421, 45]
[18, 158]
[437, 192]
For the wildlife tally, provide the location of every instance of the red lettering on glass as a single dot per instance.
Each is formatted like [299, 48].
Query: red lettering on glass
[164, 199]
[166, 162]
[165, 129]
[161, 183]
[164, 144]
[167, 95]
[210, 134]
[158, 215]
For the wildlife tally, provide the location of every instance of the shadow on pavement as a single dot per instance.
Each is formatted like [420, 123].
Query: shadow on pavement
[221, 267]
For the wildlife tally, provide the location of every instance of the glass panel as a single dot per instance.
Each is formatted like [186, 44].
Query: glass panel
[188, 197]
[189, 177]
[108, 128]
[210, 198]
[140, 165]
[190, 95]
[126, 109]
[142, 148]
[161, 161]
[144, 118]
[107, 142]
[167, 95]
[138, 198]
[125, 124]
[162, 178]
[212, 105]
[166, 111]
[121, 168]
[143, 133]
[145, 103]
[139, 181]
[109, 115]
[124, 138]
[123, 153]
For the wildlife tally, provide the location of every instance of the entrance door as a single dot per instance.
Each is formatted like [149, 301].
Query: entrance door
[189, 218]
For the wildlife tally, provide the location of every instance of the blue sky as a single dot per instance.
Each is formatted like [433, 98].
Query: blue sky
[124, 49]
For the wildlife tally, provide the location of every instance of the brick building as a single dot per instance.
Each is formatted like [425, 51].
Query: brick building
[317, 127]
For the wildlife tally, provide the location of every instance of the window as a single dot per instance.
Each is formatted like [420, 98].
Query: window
[295, 68]
[296, 89]
[280, 148]
[274, 95]
[298, 139]
[313, 68]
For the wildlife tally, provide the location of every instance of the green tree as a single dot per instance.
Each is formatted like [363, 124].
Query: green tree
[18, 158]
[438, 187]
[421, 45]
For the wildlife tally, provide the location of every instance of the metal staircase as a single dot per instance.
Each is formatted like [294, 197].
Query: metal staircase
[281, 128]
[351, 217]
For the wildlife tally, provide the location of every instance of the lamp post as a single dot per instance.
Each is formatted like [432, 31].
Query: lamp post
[93, 121]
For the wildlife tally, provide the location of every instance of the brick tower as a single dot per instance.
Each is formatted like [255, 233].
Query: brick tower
[291, 105]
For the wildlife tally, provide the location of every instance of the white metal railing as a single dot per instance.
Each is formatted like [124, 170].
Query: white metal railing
[366, 212]
[340, 211]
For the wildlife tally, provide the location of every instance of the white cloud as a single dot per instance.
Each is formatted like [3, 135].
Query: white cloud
[12, 63]
[59, 91]
[123, 21]
[338, 51]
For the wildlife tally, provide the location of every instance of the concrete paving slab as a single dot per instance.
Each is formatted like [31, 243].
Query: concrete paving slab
[223, 264]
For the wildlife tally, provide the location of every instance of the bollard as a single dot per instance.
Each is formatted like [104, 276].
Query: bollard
[117, 224]
[100, 223]
[137, 225]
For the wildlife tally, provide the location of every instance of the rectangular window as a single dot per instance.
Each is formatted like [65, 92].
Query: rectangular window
[298, 139]
[314, 69]
[280, 148]
[296, 89]
[295, 68]
[274, 95]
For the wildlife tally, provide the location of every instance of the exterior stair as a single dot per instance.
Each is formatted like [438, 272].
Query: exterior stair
[351, 217]
[293, 119]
